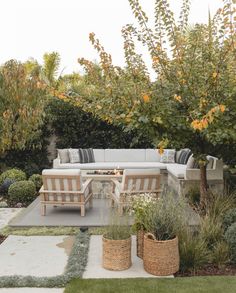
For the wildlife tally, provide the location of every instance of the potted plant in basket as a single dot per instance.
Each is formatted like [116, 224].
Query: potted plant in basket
[117, 244]
[165, 218]
[140, 205]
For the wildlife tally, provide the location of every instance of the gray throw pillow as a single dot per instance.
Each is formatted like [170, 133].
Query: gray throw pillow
[63, 155]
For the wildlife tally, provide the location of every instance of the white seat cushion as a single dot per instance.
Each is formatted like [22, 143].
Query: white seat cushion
[113, 165]
[62, 172]
[178, 170]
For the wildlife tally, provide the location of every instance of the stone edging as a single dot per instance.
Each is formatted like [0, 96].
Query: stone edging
[75, 267]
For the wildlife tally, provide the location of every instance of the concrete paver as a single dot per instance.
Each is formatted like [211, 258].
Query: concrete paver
[6, 214]
[95, 270]
[37, 256]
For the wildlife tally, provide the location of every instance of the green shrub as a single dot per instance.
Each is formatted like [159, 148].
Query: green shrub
[14, 174]
[37, 179]
[193, 196]
[23, 192]
[5, 186]
[230, 237]
[219, 204]
[219, 254]
[193, 251]
[92, 132]
[166, 216]
[118, 227]
[211, 230]
[229, 218]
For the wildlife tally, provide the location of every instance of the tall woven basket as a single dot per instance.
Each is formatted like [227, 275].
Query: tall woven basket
[160, 258]
[140, 240]
[116, 254]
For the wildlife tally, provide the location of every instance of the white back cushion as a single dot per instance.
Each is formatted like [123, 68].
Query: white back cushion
[62, 173]
[135, 184]
[152, 155]
[125, 155]
[99, 155]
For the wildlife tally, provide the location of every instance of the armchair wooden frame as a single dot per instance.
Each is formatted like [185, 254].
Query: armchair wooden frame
[78, 197]
[125, 191]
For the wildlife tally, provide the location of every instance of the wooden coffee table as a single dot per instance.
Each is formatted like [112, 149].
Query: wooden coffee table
[104, 177]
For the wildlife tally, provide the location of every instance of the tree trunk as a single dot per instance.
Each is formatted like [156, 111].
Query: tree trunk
[203, 185]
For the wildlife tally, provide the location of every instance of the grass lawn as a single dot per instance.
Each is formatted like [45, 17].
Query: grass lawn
[183, 285]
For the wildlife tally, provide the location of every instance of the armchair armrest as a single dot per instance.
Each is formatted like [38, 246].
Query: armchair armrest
[116, 184]
[86, 184]
[56, 163]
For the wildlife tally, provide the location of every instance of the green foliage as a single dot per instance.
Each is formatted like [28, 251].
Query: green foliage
[23, 192]
[193, 251]
[229, 218]
[51, 67]
[166, 216]
[193, 196]
[219, 255]
[5, 186]
[230, 237]
[76, 128]
[140, 206]
[15, 174]
[118, 228]
[37, 180]
[22, 100]
[211, 230]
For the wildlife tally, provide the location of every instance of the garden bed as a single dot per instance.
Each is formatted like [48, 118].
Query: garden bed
[211, 270]
[2, 238]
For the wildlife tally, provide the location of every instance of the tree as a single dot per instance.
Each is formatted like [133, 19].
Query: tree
[192, 102]
[22, 100]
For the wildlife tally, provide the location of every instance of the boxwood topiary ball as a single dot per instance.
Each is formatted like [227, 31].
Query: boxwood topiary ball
[22, 192]
[15, 174]
[37, 179]
[5, 186]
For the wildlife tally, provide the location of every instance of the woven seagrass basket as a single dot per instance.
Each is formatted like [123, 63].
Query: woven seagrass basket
[140, 240]
[160, 258]
[116, 254]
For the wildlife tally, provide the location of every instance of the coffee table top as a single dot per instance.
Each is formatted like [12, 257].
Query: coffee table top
[103, 174]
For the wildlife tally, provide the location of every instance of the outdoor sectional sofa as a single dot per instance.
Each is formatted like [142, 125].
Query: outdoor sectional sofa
[180, 176]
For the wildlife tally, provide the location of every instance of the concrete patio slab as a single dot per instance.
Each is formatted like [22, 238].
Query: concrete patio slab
[94, 269]
[6, 214]
[38, 256]
[64, 216]
[32, 290]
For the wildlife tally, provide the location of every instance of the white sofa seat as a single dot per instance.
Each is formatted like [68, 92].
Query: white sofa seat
[177, 170]
[113, 165]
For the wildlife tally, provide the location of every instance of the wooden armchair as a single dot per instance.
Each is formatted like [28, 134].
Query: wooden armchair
[135, 181]
[65, 187]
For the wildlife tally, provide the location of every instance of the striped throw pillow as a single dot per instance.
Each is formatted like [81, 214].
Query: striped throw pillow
[86, 156]
[183, 157]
